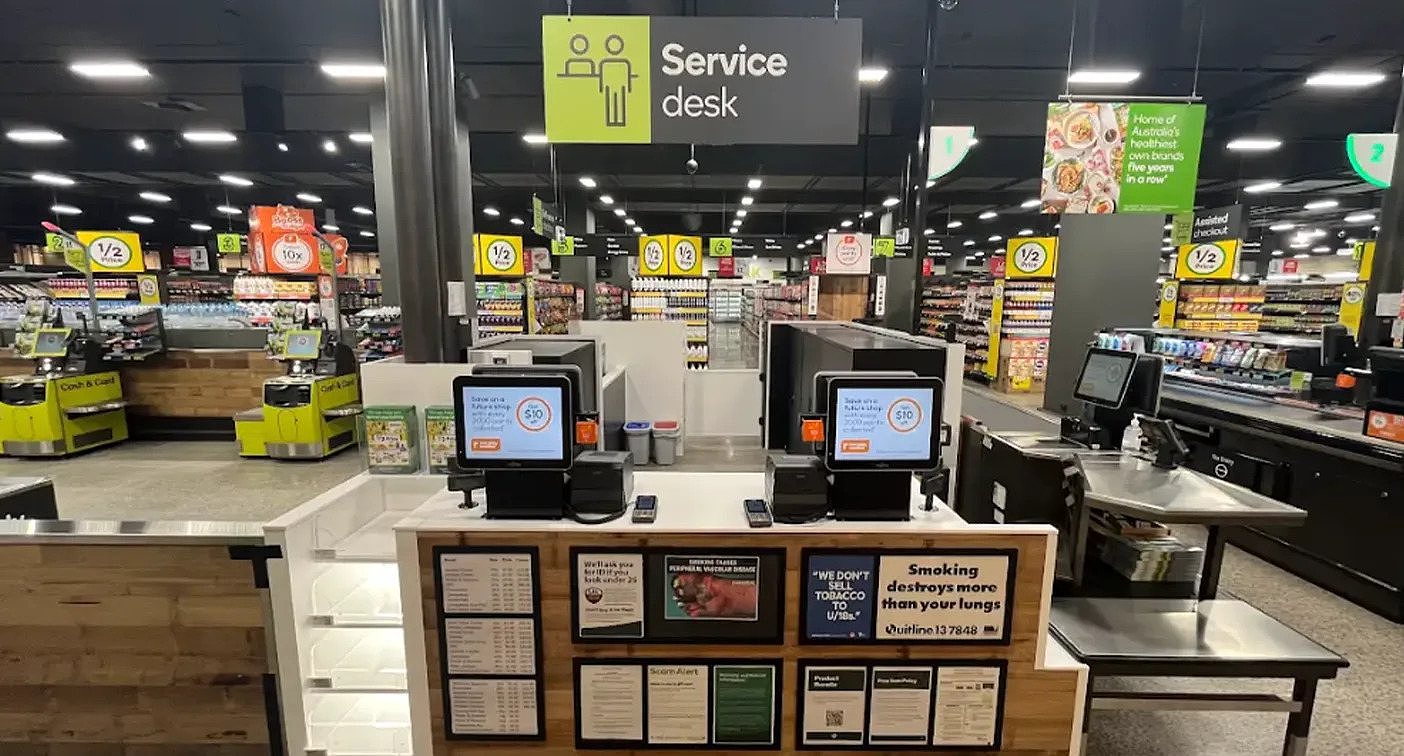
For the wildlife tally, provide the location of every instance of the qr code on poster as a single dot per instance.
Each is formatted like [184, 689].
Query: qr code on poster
[833, 717]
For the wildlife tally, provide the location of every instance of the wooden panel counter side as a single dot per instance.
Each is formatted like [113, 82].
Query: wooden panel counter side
[1042, 688]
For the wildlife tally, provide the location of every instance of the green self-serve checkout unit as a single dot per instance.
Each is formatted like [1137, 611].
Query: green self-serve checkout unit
[72, 401]
[310, 411]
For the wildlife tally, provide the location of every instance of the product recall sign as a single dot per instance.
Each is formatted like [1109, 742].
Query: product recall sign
[662, 79]
[848, 253]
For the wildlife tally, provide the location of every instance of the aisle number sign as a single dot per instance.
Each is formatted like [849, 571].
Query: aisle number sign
[719, 246]
[563, 247]
[1372, 157]
[72, 253]
[884, 246]
[1031, 257]
[113, 251]
[1210, 260]
[229, 244]
[653, 255]
[684, 255]
[499, 255]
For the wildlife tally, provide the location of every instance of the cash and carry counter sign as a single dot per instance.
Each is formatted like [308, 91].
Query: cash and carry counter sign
[641, 79]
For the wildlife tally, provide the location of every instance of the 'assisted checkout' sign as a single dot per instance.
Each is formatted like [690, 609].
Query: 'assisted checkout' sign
[640, 79]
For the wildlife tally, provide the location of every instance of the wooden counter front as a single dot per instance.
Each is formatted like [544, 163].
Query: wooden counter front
[1041, 705]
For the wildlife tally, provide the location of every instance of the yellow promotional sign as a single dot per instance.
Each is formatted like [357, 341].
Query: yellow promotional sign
[113, 251]
[1365, 255]
[499, 255]
[996, 320]
[229, 244]
[1207, 260]
[719, 246]
[653, 255]
[1031, 257]
[1169, 298]
[72, 253]
[1352, 305]
[684, 255]
[149, 289]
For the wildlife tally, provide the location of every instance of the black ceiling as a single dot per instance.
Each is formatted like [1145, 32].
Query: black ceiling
[252, 67]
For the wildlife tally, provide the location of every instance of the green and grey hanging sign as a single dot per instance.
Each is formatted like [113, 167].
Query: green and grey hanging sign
[681, 80]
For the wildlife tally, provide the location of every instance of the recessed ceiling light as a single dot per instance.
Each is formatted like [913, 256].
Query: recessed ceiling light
[605, 199]
[969, 242]
[754, 184]
[332, 227]
[155, 197]
[1321, 204]
[1345, 79]
[1253, 144]
[491, 211]
[1300, 257]
[1359, 217]
[209, 136]
[61, 209]
[200, 227]
[1026, 232]
[1263, 186]
[974, 141]
[619, 212]
[534, 138]
[52, 179]
[514, 220]
[846, 223]
[354, 71]
[282, 146]
[139, 143]
[1345, 252]
[1169, 226]
[890, 201]
[1029, 204]
[329, 146]
[1277, 253]
[748, 200]
[818, 237]
[988, 214]
[1167, 249]
[360, 137]
[867, 213]
[741, 213]
[1282, 226]
[833, 230]
[367, 234]
[34, 136]
[628, 221]
[588, 182]
[872, 74]
[930, 183]
[144, 220]
[233, 180]
[1103, 76]
[309, 197]
[1057, 225]
[995, 238]
[1320, 249]
[362, 210]
[116, 69]
[954, 224]
[929, 231]
[229, 210]
[1376, 229]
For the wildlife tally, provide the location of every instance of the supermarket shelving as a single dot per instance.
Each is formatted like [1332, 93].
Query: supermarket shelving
[675, 298]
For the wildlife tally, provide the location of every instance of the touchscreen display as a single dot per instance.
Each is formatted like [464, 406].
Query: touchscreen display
[1104, 377]
[302, 345]
[882, 424]
[512, 423]
[51, 343]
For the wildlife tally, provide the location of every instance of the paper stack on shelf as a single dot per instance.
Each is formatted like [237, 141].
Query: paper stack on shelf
[1146, 553]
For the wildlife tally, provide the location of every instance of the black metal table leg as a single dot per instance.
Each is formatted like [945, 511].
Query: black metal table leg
[1087, 711]
[1213, 563]
[1299, 722]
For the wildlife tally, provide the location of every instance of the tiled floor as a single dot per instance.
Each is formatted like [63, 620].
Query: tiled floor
[1356, 715]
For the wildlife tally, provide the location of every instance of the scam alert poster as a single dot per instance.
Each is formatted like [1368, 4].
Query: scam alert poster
[945, 597]
[711, 588]
[610, 595]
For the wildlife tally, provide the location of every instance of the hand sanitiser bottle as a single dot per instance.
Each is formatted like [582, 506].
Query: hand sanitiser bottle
[1131, 437]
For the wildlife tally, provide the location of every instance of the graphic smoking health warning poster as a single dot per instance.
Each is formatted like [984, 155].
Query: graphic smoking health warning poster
[711, 588]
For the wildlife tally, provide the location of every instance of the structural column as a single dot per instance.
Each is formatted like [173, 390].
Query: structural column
[411, 179]
[917, 179]
[1387, 273]
[453, 176]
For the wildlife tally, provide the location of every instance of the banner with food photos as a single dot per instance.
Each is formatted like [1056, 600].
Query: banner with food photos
[1109, 157]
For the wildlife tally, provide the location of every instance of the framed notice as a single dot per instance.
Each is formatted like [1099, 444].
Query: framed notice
[607, 601]
[490, 642]
[723, 595]
[934, 596]
[686, 703]
[905, 704]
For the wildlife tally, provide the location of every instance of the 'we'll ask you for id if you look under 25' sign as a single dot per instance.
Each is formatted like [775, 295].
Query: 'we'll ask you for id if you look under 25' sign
[679, 80]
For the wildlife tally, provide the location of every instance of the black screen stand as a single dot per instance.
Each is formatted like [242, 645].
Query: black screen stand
[877, 495]
[526, 495]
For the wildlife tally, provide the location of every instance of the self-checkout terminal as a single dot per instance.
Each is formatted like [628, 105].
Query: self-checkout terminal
[310, 411]
[520, 427]
[72, 401]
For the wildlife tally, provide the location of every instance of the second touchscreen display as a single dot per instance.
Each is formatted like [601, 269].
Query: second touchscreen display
[507, 422]
[882, 424]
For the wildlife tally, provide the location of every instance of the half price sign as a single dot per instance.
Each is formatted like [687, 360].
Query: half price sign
[1211, 260]
[499, 255]
[1031, 257]
[113, 251]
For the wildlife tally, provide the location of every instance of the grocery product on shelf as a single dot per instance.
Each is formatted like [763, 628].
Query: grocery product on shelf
[1219, 306]
[551, 305]
[105, 287]
[609, 301]
[684, 299]
[973, 328]
[1025, 322]
[185, 289]
[380, 333]
[726, 300]
[267, 287]
[1300, 307]
[942, 299]
[501, 307]
[1256, 363]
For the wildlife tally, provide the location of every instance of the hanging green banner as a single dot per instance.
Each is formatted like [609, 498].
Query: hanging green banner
[1121, 157]
[1372, 157]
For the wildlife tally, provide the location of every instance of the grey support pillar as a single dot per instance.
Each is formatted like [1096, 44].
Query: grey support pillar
[386, 243]
[902, 275]
[1387, 272]
[917, 179]
[412, 179]
[453, 177]
[580, 270]
[1107, 266]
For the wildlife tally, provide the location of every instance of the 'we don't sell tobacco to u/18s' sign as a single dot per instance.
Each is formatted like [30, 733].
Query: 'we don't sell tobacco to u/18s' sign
[641, 79]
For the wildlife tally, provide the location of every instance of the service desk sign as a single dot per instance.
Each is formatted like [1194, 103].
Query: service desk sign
[848, 253]
[113, 251]
[1210, 260]
[692, 80]
[1121, 157]
[1031, 257]
[499, 255]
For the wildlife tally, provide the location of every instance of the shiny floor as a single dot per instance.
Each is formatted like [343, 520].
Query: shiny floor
[1357, 714]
